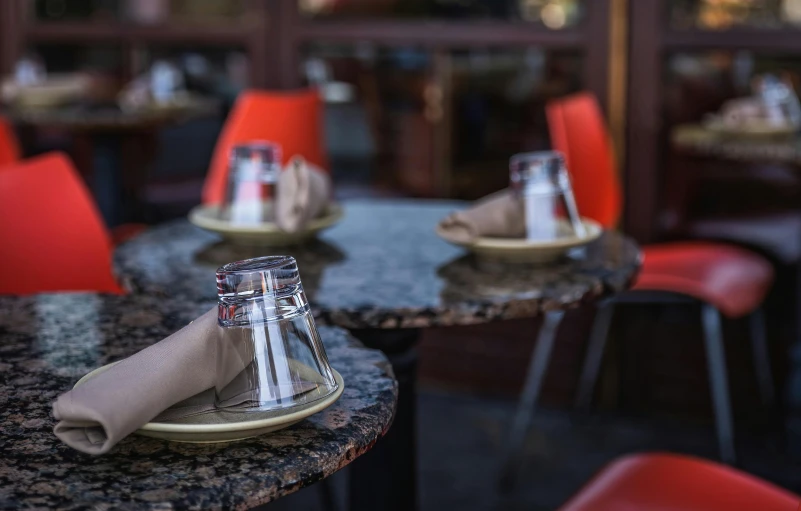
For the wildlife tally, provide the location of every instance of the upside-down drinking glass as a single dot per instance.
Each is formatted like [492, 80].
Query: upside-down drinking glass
[269, 356]
[252, 178]
[541, 180]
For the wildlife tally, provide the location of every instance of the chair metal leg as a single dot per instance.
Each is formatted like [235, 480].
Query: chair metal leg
[595, 354]
[527, 403]
[759, 345]
[718, 381]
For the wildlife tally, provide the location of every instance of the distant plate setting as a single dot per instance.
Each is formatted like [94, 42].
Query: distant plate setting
[522, 250]
[266, 234]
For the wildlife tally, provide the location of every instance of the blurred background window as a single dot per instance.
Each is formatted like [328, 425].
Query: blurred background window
[435, 122]
[140, 11]
[726, 14]
[553, 14]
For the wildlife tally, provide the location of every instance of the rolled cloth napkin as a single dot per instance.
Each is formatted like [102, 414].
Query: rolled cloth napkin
[99, 413]
[175, 379]
[500, 215]
[303, 194]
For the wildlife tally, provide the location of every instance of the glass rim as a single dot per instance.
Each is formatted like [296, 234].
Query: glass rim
[542, 156]
[255, 265]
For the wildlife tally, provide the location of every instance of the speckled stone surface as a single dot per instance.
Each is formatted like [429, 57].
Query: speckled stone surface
[695, 139]
[384, 267]
[47, 342]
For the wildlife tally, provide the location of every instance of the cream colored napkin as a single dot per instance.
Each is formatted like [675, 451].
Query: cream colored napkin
[500, 215]
[303, 194]
[173, 380]
[104, 410]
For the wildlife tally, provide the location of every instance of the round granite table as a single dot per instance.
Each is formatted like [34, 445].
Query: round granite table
[384, 274]
[383, 267]
[49, 341]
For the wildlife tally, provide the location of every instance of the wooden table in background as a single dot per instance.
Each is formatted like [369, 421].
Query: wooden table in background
[113, 148]
[693, 142]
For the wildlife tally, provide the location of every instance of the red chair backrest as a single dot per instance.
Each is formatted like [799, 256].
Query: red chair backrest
[578, 130]
[9, 146]
[53, 236]
[292, 119]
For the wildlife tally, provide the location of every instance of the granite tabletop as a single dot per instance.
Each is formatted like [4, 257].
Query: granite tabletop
[49, 341]
[383, 266]
[695, 139]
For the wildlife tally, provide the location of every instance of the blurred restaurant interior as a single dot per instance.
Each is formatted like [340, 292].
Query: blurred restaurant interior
[680, 126]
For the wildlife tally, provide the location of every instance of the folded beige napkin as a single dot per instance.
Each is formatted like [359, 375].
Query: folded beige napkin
[500, 215]
[303, 194]
[104, 410]
[175, 380]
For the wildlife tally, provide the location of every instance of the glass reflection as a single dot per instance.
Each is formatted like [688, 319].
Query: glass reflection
[69, 355]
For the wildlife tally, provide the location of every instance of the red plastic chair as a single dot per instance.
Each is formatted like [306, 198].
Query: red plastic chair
[9, 145]
[668, 482]
[291, 119]
[725, 278]
[54, 236]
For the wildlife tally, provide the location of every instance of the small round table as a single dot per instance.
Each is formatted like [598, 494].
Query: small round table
[49, 341]
[113, 147]
[384, 274]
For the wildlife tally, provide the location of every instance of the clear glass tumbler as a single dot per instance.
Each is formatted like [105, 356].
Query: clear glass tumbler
[252, 178]
[269, 356]
[543, 183]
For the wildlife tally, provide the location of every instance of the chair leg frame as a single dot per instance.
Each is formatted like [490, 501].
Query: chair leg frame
[716, 364]
[718, 381]
[759, 346]
[527, 403]
[595, 354]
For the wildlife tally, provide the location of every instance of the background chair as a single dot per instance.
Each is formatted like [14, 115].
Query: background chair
[55, 239]
[724, 278]
[9, 145]
[667, 482]
[292, 119]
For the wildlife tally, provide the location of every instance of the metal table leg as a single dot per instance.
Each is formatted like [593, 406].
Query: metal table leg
[386, 477]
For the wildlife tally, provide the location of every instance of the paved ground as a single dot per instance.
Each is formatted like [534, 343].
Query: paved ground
[460, 444]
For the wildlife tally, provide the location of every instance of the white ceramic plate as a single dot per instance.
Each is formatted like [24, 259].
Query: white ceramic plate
[175, 431]
[266, 234]
[521, 250]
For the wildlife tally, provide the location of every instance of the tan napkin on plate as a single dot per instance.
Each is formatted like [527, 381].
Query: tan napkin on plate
[303, 194]
[499, 215]
[104, 410]
[172, 381]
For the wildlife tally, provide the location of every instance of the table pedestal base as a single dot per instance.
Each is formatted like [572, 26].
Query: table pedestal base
[386, 477]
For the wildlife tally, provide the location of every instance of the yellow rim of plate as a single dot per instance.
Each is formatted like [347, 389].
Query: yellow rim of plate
[594, 231]
[201, 217]
[165, 427]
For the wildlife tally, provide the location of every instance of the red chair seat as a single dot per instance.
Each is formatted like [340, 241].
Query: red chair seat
[732, 279]
[668, 482]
